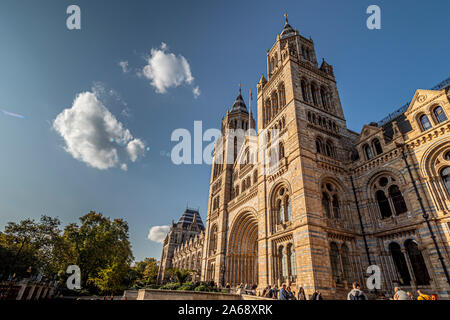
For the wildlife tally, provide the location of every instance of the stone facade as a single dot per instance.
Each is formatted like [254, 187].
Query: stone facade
[182, 247]
[335, 199]
[305, 201]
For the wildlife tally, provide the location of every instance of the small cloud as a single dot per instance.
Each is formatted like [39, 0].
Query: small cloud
[158, 233]
[93, 135]
[166, 70]
[196, 92]
[124, 66]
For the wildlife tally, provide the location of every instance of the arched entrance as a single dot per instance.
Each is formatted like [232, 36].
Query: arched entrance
[242, 257]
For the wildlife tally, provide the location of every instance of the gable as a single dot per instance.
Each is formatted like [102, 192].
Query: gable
[423, 98]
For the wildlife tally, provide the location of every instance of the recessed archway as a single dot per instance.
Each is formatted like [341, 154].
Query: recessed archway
[242, 263]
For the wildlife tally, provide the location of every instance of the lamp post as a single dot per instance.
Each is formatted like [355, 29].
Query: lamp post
[424, 213]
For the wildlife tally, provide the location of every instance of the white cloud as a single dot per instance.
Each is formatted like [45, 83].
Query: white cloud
[124, 66]
[135, 149]
[158, 233]
[93, 135]
[166, 70]
[196, 92]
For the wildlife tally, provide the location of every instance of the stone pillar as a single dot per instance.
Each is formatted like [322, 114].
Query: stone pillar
[21, 291]
[30, 293]
[38, 293]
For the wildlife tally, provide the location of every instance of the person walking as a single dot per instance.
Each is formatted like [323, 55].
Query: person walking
[400, 294]
[301, 294]
[422, 296]
[356, 293]
[317, 295]
[283, 293]
[291, 295]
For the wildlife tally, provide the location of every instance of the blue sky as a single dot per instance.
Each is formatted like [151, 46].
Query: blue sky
[44, 67]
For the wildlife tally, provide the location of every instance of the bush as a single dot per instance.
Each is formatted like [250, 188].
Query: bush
[202, 287]
[189, 286]
[170, 286]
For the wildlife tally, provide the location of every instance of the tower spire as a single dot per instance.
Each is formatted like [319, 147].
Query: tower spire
[285, 17]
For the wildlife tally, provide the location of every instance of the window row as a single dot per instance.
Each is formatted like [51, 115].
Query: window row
[287, 265]
[274, 104]
[330, 201]
[324, 122]
[318, 96]
[389, 197]
[326, 148]
[438, 115]
[282, 207]
[372, 149]
[340, 263]
[409, 264]
[276, 128]
[238, 124]
[245, 184]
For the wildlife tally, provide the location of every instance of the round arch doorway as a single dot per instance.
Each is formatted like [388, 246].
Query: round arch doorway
[242, 257]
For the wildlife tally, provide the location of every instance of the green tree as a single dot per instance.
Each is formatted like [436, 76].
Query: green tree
[30, 247]
[99, 246]
[180, 275]
[143, 273]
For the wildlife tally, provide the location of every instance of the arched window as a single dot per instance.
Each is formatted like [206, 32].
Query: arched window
[304, 92]
[426, 124]
[274, 100]
[319, 148]
[334, 259]
[330, 201]
[281, 150]
[255, 176]
[383, 204]
[397, 199]
[346, 268]
[288, 208]
[335, 204]
[377, 146]
[309, 116]
[323, 97]
[313, 93]
[280, 211]
[326, 204]
[292, 262]
[400, 264]
[445, 175]
[389, 197]
[417, 262]
[282, 97]
[440, 114]
[368, 152]
[268, 113]
[284, 271]
[329, 149]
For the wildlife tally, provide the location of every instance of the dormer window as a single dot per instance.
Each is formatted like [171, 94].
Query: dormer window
[368, 152]
[440, 114]
[377, 146]
[425, 122]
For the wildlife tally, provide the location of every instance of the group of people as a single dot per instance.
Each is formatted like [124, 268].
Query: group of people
[399, 294]
[286, 293]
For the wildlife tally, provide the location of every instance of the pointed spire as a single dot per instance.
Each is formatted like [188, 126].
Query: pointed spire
[239, 104]
[287, 30]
